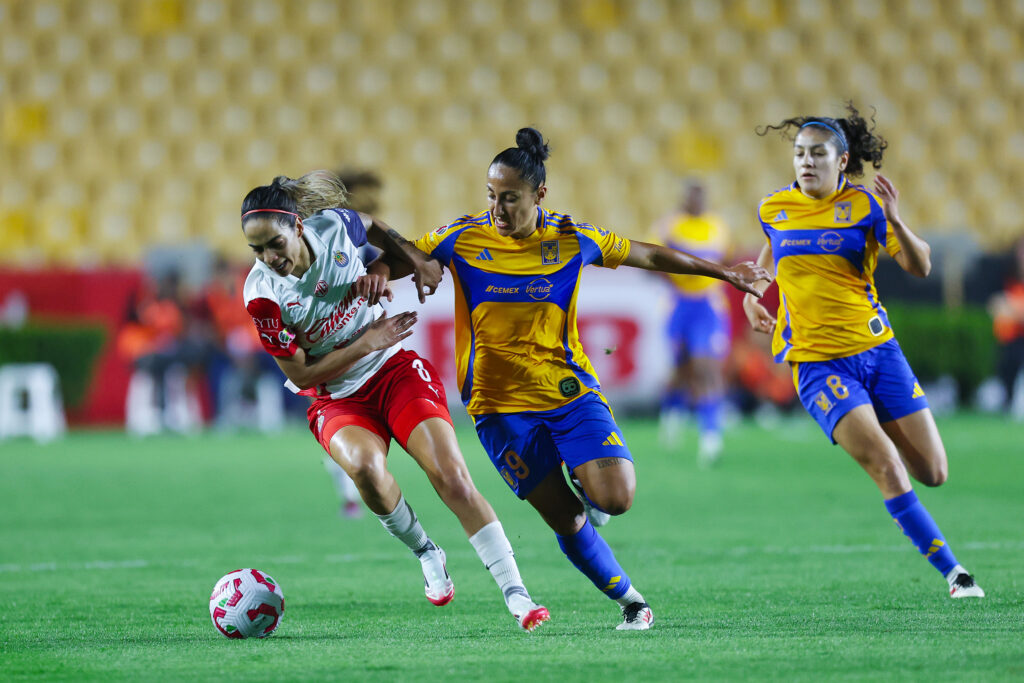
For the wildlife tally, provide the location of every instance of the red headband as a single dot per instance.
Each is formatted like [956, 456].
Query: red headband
[272, 211]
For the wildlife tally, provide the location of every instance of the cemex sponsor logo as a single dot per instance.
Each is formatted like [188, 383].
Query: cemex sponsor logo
[539, 289]
[342, 315]
[321, 288]
[494, 289]
[830, 241]
[794, 243]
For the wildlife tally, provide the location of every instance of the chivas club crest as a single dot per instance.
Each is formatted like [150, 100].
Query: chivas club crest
[340, 259]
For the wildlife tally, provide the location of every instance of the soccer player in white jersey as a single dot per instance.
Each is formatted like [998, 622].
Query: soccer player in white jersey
[317, 312]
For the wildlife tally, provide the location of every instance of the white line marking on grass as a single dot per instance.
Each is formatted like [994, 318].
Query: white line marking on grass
[348, 558]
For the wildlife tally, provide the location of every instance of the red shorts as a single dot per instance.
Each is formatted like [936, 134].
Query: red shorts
[403, 393]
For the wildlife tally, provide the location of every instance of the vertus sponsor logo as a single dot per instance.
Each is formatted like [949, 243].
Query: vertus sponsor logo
[539, 289]
[342, 315]
[830, 241]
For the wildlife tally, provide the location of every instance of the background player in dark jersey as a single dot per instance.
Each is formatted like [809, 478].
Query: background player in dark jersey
[823, 237]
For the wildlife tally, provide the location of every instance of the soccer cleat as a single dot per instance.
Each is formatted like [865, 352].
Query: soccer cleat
[709, 449]
[438, 586]
[596, 517]
[529, 614]
[636, 616]
[962, 585]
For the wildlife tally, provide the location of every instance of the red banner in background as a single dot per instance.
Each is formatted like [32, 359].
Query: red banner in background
[78, 297]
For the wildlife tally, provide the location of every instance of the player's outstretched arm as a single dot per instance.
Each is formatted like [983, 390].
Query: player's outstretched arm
[655, 257]
[402, 258]
[307, 371]
[761, 320]
[915, 254]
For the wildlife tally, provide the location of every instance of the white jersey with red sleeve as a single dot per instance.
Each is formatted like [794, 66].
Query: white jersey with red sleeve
[317, 311]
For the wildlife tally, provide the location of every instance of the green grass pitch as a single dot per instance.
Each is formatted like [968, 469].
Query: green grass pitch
[780, 564]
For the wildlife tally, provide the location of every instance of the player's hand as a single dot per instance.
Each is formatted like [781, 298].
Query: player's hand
[745, 277]
[373, 286]
[426, 274]
[758, 316]
[890, 196]
[385, 332]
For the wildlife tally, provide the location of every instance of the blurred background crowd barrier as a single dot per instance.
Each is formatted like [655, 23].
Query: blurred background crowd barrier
[131, 129]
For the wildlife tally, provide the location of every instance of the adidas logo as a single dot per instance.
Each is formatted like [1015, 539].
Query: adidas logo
[612, 583]
[918, 391]
[781, 217]
[484, 256]
[936, 545]
[612, 440]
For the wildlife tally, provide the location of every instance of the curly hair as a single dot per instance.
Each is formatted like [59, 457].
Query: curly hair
[851, 132]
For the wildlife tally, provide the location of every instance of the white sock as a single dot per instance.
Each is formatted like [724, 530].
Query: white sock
[403, 525]
[495, 552]
[630, 596]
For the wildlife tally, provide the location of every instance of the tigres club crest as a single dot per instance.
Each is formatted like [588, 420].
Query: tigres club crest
[340, 259]
[321, 288]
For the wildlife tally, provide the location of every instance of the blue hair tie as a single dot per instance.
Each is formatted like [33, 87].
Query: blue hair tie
[839, 133]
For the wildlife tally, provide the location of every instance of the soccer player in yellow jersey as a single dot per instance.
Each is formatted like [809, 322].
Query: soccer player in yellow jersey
[698, 326]
[823, 237]
[522, 371]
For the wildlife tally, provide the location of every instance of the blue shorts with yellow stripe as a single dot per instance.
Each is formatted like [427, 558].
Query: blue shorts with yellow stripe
[525, 447]
[881, 376]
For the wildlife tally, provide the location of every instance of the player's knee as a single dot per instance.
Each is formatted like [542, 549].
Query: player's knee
[615, 502]
[456, 487]
[935, 475]
[366, 472]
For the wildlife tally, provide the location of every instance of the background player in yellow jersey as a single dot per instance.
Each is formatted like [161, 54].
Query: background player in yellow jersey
[698, 326]
[522, 371]
[823, 236]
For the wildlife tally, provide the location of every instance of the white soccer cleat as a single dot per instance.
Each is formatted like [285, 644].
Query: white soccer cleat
[709, 449]
[962, 585]
[636, 616]
[437, 585]
[596, 517]
[529, 614]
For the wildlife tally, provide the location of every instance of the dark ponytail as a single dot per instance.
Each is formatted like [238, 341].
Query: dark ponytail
[851, 133]
[527, 157]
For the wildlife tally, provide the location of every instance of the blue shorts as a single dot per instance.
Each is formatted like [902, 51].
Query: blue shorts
[525, 447]
[698, 328]
[880, 376]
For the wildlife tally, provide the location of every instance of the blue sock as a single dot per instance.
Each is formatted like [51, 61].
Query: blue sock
[709, 414]
[912, 517]
[589, 553]
[674, 400]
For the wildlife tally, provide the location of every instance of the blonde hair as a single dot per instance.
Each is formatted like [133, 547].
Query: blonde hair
[315, 191]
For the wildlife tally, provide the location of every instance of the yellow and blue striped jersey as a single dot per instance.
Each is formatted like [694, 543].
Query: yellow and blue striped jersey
[516, 340]
[825, 252]
[705, 236]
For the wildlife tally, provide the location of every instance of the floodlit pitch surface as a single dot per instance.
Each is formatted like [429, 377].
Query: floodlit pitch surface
[779, 564]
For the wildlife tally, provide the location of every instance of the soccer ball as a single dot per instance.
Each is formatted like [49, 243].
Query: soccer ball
[246, 603]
